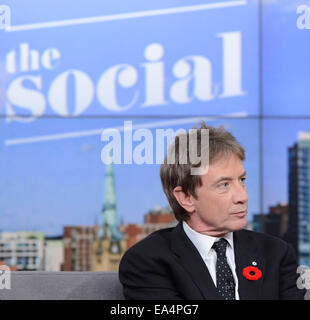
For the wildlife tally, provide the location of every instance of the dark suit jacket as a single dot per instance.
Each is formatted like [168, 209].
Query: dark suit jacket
[166, 265]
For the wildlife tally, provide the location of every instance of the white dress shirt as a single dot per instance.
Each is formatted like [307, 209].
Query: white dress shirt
[204, 244]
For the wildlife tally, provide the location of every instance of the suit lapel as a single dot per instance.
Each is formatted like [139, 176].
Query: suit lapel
[246, 254]
[189, 257]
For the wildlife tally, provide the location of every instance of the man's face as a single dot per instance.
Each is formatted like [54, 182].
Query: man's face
[222, 201]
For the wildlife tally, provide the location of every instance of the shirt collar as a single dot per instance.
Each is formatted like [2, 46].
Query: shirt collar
[204, 243]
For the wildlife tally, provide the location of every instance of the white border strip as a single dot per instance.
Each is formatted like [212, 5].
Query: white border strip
[125, 16]
[79, 134]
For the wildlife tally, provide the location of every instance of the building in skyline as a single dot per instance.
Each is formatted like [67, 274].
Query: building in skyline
[78, 243]
[23, 250]
[53, 254]
[133, 234]
[274, 222]
[12, 268]
[109, 244]
[281, 211]
[299, 197]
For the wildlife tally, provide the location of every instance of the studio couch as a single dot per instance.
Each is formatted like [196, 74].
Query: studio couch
[64, 285]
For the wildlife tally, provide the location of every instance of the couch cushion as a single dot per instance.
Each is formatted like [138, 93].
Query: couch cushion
[65, 285]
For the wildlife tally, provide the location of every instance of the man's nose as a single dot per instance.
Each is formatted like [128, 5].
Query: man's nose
[240, 194]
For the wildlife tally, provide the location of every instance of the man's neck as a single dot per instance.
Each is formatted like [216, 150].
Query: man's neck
[208, 231]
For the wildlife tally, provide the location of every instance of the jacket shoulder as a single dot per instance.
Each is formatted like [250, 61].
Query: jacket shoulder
[262, 236]
[159, 239]
[264, 241]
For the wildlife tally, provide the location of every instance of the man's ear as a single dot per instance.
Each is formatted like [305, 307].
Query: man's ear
[183, 199]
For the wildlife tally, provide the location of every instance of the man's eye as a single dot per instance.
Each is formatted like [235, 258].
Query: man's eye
[224, 185]
[243, 180]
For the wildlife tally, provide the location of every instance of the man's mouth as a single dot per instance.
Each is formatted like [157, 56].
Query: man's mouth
[240, 213]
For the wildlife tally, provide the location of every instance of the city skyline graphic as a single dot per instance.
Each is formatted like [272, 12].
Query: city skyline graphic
[67, 73]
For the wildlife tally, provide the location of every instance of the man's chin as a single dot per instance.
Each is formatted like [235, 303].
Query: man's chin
[238, 224]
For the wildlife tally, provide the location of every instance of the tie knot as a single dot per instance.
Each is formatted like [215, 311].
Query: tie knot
[220, 247]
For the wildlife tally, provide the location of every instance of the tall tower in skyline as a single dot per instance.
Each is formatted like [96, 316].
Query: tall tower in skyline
[109, 217]
[109, 245]
[299, 197]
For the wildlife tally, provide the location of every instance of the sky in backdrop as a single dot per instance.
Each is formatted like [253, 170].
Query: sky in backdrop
[163, 64]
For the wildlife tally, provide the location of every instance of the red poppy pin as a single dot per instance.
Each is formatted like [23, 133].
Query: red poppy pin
[252, 273]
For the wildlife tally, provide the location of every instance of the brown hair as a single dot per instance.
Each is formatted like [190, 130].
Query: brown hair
[221, 142]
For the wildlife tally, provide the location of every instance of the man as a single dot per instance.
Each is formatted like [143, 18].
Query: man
[208, 255]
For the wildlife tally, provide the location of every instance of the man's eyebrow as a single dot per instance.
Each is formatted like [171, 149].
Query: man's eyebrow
[229, 178]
